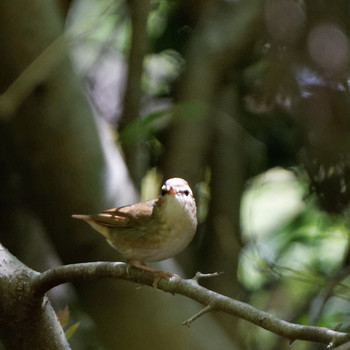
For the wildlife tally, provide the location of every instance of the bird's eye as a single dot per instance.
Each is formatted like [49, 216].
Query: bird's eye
[186, 192]
[164, 192]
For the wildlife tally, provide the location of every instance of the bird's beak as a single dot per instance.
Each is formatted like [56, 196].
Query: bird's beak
[171, 190]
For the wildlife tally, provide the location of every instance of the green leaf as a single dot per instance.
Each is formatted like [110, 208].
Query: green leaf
[143, 128]
[71, 330]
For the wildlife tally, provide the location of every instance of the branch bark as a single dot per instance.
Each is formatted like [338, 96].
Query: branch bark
[190, 288]
[23, 298]
[27, 321]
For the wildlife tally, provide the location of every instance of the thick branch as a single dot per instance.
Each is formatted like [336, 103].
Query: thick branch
[26, 322]
[191, 289]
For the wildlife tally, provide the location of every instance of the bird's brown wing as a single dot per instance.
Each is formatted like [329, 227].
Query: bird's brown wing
[136, 215]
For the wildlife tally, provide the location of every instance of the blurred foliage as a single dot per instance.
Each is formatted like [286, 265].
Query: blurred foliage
[63, 317]
[288, 95]
[153, 123]
[293, 252]
[303, 241]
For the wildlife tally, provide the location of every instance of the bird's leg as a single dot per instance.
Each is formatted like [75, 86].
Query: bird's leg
[158, 273]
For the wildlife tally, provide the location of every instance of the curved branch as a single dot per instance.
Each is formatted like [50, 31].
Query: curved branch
[27, 322]
[190, 288]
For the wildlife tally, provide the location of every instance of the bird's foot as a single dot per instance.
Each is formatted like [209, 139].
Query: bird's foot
[158, 273]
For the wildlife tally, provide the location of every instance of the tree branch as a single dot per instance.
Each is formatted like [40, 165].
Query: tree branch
[26, 321]
[345, 346]
[139, 11]
[189, 288]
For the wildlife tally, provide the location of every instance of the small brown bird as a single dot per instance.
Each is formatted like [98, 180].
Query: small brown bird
[149, 231]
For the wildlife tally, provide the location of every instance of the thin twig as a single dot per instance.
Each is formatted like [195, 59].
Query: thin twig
[205, 310]
[200, 275]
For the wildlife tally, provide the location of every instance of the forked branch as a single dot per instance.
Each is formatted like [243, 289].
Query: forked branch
[190, 288]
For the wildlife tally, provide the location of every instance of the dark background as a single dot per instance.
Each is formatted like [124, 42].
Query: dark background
[247, 100]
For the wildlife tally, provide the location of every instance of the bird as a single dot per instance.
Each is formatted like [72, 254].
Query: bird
[152, 230]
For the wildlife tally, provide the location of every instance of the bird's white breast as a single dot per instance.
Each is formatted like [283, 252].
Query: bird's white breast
[179, 220]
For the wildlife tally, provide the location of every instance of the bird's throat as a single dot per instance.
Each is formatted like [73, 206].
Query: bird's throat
[174, 212]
